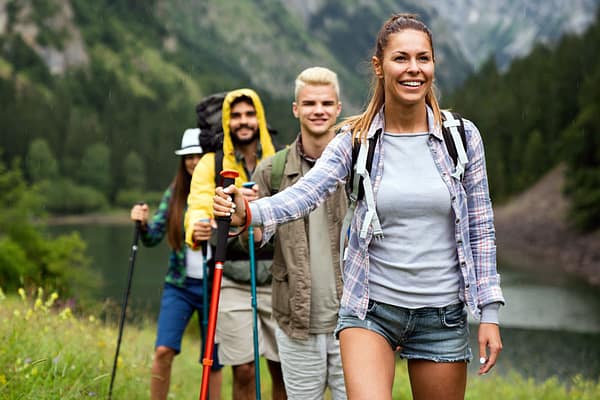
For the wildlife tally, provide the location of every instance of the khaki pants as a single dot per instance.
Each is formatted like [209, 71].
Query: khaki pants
[234, 324]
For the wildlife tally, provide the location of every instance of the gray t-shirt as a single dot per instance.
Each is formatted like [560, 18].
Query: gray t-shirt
[415, 265]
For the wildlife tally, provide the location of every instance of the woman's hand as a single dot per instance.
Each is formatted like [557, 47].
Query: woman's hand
[202, 230]
[223, 206]
[139, 212]
[489, 338]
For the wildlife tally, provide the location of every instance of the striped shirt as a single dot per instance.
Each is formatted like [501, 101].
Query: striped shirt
[471, 205]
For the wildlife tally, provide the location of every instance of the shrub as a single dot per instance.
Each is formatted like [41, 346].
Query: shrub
[63, 196]
[127, 198]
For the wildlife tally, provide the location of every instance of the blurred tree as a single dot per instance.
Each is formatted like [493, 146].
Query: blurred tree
[40, 162]
[582, 148]
[95, 167]
[28, 256]
[134, 171]
[534, 159]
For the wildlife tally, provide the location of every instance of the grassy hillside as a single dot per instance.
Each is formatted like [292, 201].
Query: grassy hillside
[48, 353]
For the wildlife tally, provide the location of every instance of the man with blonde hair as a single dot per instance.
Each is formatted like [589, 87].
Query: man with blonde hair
[307, 283]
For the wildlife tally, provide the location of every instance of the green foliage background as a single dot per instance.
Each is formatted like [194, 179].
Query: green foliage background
[136, 95]
[28, 255]
[542, 111]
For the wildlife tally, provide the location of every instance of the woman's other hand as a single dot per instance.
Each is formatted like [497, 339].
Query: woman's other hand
[489, 339]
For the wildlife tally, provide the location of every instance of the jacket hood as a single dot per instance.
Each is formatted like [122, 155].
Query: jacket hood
[264, 137]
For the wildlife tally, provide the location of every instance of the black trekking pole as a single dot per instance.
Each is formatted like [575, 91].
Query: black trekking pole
[220, 256]
[134, 247]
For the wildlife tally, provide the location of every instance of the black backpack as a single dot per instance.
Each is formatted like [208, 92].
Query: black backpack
[208, 112]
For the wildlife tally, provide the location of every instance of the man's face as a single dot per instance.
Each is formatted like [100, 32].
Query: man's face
[317, 109]
[243, 123]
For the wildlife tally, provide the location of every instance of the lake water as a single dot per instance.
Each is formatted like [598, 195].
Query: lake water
[550, 325]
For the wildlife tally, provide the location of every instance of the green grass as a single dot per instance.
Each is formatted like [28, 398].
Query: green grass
[48, 353]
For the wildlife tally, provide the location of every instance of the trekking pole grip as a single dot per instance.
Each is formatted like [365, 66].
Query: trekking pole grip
[223, 222]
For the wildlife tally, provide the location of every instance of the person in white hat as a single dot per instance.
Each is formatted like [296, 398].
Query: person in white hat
[183, 288]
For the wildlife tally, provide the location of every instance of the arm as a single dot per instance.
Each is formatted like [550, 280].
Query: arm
[298, 200]
[200, 199]
[304, 196]
[482, 234]
[152, 233]
[483, 247]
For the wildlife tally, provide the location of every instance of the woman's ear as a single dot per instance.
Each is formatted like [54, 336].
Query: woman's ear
[377, 67]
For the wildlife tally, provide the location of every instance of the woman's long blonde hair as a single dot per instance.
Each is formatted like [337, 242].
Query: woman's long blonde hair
[359, 124]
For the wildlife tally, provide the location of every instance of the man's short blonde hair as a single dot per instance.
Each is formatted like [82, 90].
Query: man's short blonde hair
[317, 76]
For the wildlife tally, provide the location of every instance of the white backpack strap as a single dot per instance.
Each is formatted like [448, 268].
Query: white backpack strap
[452, 124]
[344, 233]
[371, 218]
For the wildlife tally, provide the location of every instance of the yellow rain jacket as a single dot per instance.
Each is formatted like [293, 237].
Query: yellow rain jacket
[202, 188]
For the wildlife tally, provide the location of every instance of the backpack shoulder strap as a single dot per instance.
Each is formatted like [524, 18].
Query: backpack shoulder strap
[455, 139]
[277, 166]
[218, 166]
[358, 187]
[354, 183]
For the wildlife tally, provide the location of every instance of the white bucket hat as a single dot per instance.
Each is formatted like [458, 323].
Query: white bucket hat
[190, 143]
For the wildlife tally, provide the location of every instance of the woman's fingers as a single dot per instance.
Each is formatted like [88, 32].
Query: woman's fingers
[490, 346]
[223, 206]
[139, 213]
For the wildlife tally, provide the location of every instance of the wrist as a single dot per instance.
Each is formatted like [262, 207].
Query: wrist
[247, 214]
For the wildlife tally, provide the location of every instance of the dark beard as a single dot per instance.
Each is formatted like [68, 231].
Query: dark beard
[244, 142]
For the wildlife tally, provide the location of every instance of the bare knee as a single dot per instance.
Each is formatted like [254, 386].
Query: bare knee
[164, 355]
[244, 373]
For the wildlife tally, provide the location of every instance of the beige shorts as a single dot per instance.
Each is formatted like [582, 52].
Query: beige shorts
[234, 324]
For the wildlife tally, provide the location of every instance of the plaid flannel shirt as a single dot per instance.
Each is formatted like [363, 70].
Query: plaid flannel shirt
[156, 231]
[471, 206]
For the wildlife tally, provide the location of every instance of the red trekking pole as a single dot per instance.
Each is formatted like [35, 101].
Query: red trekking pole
[220, 253]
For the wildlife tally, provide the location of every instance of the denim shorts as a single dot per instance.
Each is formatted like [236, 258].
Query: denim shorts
[176, 308]
[430, 333]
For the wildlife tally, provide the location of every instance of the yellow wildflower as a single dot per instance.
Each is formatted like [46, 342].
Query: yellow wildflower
[2, 297]
[2, 380]
[66, 313]
[38, 303]
[40, 293]
[22, 294]
[51, 299]
[17, 313]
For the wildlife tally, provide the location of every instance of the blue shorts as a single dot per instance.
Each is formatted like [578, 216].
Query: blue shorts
[176, 308]
[435, 334]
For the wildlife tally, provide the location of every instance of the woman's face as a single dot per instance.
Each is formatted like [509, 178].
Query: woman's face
[190, 162]
[407, 67]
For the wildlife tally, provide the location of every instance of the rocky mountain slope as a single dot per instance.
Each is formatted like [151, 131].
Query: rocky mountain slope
[267, 42]
[533, 230]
